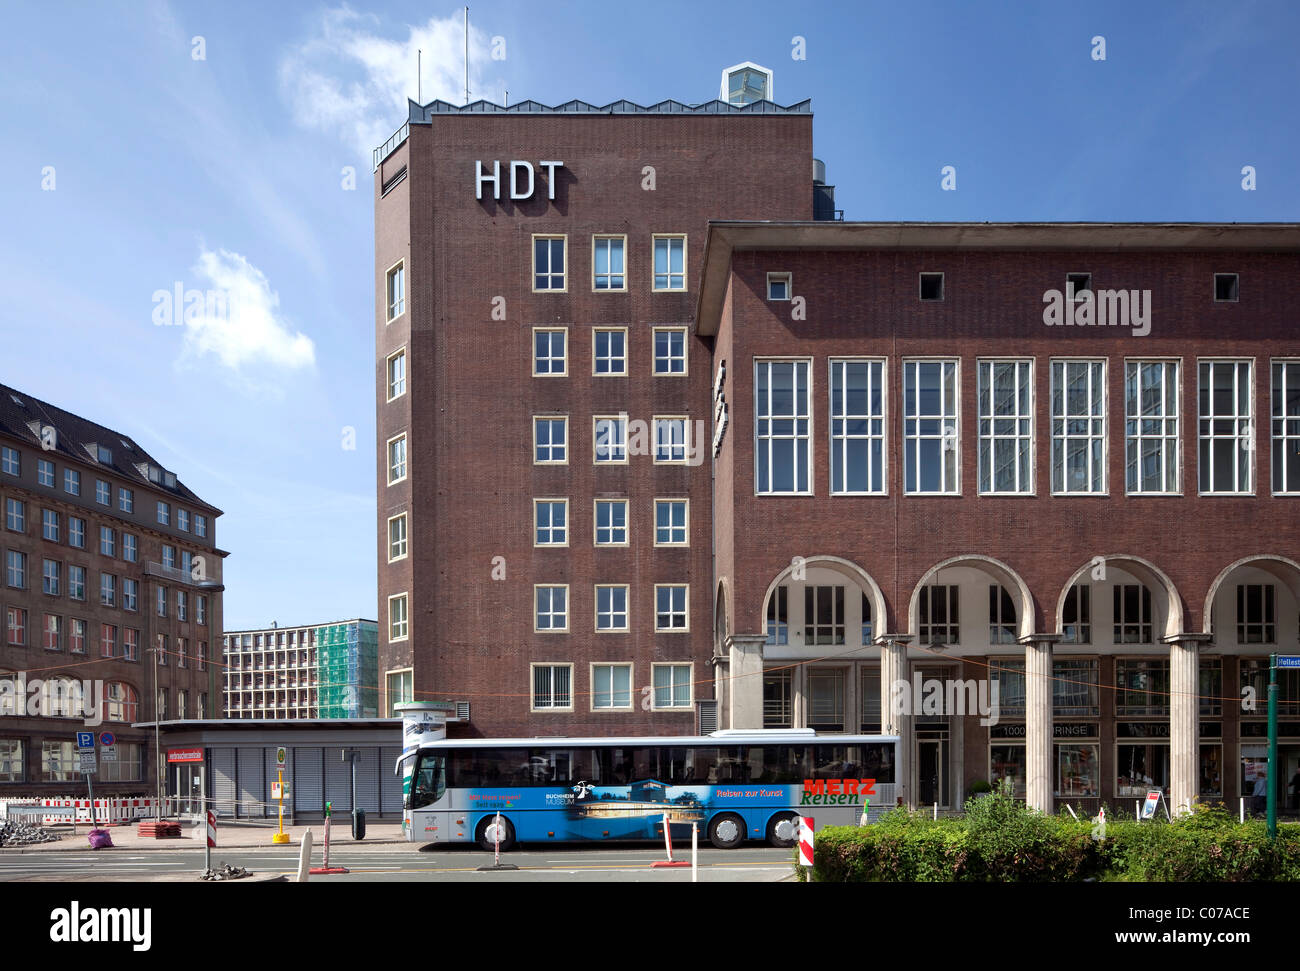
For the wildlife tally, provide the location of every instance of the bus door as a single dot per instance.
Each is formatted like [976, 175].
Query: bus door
[428, 802]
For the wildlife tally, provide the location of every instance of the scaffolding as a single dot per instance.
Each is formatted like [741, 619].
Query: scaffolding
[347, 668]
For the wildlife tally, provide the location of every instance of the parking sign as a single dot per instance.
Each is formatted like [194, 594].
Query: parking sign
[85, 740]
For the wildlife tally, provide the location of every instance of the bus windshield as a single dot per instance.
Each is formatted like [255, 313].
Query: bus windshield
[429, 781]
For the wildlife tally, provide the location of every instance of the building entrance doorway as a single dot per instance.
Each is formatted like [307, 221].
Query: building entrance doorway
[932, 784]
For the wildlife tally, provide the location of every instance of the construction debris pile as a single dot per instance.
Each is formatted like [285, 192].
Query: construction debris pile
[14, 833]
[225, 872]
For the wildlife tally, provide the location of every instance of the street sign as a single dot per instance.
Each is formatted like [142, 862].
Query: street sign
[87, 763]
[86, 740]
[1288, 660]
[281, 757]
[276, 793]
[107, 738]
[108, 753]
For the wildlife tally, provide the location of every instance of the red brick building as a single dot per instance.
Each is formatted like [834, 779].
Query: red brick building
[110, 563]
[914, 469]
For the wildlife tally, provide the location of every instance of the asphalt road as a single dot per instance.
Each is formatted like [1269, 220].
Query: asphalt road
[442, 864]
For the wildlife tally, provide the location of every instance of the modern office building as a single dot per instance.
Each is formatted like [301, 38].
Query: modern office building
[926, 464]
[111, 594]
[315, 671]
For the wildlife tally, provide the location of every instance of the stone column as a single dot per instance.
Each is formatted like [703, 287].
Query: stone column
[745, 669]
[1039, 766]
[1184, 719]
[896, 694]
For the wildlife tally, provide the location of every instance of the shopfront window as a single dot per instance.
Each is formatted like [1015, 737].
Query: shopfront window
[1141, 767]
[1143, 687]
[1008, 762]
[1077, 770]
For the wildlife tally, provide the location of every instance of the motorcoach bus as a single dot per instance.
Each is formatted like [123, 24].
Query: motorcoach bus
[734, 785]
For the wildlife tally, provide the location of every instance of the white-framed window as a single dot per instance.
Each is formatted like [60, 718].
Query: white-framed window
[1286, 428]
[1132, 614]
[398, 619]
[857, 427]
[50, 525]
[201, 526]
[1003, 628]
[45, 472]
[183, 520]
[1079, 427]
[201, 612]
[552, 687]
[550, 352]
[1006, 427]
[608, 269]
[182, 605]
[782, 427]
[161, 601]
[400, 686]
[396, 291]
[131, 595]
[931, 428]
[823, 614]
[10, 462]
[1076, 616]
[397, 459]
[611, 608]
[609, 440]
[107, 541]
[550, 608]
[50, 577]
[71, 482]
[670, 440]
[107, 590]
[77, 532]
[611, 687]
[610, 522]
[672, 685]
[125, 499]
[548, 264]
[609, 352]
[1151, 458]
[937, 614]
[669, 262]
[669, 351]
[1226, 427]
[76, 582]
[168, 556]
[550, 522]
[550, 440]
[16, 569]
[164, 514]
[672, 603]
[397, 374]
[396, 537]
[778, 616]
[672, 522]
[778, 286]
[16, 515]
[103, 493]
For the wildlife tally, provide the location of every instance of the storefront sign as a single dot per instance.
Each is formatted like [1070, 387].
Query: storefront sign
[1260, 729]
[185, 755]
[1059, 730]
[522, 179]
[836, 792]
[1142, 730]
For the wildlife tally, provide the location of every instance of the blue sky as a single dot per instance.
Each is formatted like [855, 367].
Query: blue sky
[130, 166]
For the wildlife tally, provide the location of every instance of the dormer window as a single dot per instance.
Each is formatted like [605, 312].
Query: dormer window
[104, 455]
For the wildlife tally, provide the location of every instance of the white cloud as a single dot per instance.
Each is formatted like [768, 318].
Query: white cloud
[241, 324]
[349, 79]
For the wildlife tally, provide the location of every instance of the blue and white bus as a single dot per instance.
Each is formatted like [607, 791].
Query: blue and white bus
[735, 785]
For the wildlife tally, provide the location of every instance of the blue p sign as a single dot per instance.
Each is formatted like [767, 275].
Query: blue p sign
[85, 739]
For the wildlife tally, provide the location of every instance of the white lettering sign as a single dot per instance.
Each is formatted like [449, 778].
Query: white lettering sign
[522, 178]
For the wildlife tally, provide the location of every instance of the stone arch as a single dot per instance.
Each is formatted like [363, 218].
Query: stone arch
[995, 568]
[848, 569]
[1147, 572]
[1285, 570]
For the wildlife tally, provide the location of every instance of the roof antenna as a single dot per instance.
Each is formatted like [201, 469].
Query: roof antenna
[467, 55]
[419, 76]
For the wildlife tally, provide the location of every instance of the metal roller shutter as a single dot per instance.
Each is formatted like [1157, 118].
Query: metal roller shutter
[368, 780]
[308, 780]
[338, 780]
[390, 782]
[252, 778]
[223, 781]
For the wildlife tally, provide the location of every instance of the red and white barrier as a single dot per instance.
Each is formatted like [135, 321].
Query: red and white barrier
[806, 840]
[108, 812]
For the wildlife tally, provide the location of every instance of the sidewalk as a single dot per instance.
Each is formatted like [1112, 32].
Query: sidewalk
[229, 836]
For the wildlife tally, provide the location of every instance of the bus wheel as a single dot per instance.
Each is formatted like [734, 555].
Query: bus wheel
[487, 834]
[727, 831]
[783, 830]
